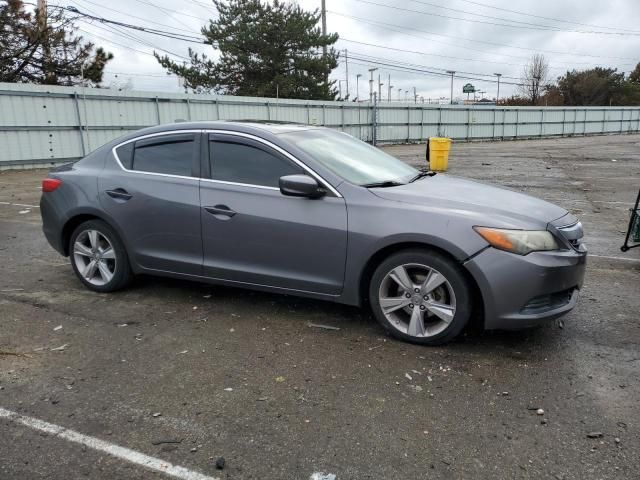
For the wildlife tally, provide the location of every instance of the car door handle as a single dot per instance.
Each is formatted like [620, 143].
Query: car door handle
[119, 194]
[220, 211]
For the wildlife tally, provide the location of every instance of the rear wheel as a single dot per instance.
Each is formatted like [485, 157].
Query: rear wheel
[421, 297]
[98, 257]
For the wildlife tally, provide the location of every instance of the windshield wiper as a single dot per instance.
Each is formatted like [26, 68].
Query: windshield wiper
[384, 184]
[423, 173]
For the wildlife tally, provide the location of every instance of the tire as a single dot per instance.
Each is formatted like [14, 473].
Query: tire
[426, 316]
[95, 241]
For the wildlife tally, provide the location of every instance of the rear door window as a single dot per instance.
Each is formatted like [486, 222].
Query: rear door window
[166, 154]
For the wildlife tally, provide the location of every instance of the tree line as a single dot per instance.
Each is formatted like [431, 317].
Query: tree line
[598, 86]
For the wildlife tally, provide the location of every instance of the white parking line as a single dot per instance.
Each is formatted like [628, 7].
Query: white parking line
[123, 453]
[616, 258]
[19, 205]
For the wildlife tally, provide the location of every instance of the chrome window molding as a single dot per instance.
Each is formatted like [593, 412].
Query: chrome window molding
[151, 135]
[280, 150]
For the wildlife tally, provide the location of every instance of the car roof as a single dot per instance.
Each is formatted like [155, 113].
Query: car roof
[271, 126]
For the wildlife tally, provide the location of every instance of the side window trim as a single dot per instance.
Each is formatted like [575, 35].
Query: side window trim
[281, 151]
[195, 164]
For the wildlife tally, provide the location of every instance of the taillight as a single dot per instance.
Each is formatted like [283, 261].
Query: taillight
[50, 184]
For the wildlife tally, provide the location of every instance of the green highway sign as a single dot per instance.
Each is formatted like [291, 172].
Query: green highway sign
[468, 88]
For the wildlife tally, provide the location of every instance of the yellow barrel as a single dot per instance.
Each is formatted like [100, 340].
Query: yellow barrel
[438, 153]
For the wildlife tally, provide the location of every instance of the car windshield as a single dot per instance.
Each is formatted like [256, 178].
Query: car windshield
[354, 160]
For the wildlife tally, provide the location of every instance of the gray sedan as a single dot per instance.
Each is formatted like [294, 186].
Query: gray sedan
[314, 212]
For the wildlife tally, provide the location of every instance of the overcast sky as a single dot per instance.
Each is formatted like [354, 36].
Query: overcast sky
[467, 36]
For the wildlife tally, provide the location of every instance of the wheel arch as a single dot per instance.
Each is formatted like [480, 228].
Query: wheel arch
[81, 216]
[477, 315]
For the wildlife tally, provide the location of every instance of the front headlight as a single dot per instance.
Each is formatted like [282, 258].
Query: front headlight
[518, 241]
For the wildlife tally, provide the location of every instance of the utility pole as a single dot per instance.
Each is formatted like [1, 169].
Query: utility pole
[358, 86]
[389, 87]
[346, 64]
[340, 89]
[452, 73]
[379, 88]
[415, 95]
[323, 14]
[498, 94]
[371, 70]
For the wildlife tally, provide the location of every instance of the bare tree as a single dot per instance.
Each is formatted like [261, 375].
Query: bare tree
[534, 78]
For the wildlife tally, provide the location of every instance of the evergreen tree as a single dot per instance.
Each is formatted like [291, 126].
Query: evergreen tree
[38, 51]
[266, 49]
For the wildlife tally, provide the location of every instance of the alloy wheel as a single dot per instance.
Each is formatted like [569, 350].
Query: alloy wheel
[94, 257]
[417, 300]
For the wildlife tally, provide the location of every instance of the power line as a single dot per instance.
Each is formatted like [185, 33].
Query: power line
[555, 52]
[134, 16]
[545, 18]
[168, 10]
[429, 54]
[429, 69]
[484, 16]
[554, 29]
[175, 36]
[365, 57]
[108, 40]
[114, 30]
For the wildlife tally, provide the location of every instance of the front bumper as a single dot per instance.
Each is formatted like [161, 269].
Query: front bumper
[524, 291]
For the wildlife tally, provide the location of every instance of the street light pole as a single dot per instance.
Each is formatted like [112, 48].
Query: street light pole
[371, 70]
[452, 73]
[498, 94]
[346, 64]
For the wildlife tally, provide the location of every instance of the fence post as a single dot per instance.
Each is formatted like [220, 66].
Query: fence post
[468, 124]
[504, 121]
[188, 109]
[408, 124]
[342, 117]
[493, 132]
[216, 102]
[564, 120]
[158, 110]
[374, 134]
[517, 122]
[421, 123]
[80, 126]
[268, 110]
[308, 114]
[541, 121]
[621, 120]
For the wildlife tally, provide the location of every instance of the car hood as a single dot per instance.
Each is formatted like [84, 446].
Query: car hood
[491, 206]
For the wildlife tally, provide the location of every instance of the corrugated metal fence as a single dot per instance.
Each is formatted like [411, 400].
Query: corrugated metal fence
[45, 124]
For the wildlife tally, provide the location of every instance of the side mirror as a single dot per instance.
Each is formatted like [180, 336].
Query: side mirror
[300, 186]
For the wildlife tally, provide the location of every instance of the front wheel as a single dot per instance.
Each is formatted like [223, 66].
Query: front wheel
[98, 257]
[421, 297]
